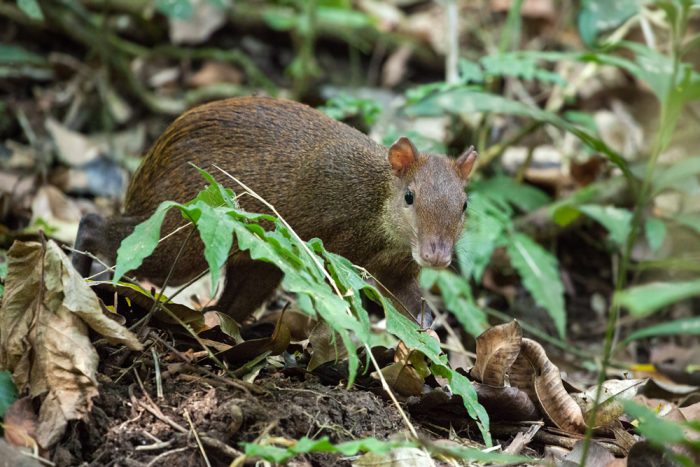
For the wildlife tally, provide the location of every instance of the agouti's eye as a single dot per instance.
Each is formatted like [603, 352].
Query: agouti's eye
[464, 207]
[408, 197]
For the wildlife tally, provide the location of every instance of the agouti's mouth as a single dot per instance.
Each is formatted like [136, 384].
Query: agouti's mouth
[431, 261]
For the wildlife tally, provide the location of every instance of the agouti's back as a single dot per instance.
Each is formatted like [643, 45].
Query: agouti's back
[322, 176]
[386, 210]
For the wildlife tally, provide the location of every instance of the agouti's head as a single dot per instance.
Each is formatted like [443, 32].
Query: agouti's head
[428, 204]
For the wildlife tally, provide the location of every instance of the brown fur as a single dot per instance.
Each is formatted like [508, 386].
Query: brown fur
[325, 178]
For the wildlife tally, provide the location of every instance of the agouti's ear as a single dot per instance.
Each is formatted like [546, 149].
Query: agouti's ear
[465, 162]
[402, 154]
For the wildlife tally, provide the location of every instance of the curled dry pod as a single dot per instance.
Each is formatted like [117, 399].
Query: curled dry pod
[533, 373]
[496, 350]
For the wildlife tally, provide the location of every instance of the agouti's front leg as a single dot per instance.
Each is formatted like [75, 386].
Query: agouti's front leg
[406, 294]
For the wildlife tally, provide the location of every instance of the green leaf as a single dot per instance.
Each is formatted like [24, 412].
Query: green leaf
[465, 100]
[463, 387]
[524, 197]
[520, 65]
[596, 16]
[216, 231]
[345, 106]
[31, 8]
[16, 55]
[645, 299]
[485, 227]
[280, 18]
[3, 273]
[352, 448]
[656, 232]
[565, 214]
[8, 391]
[671, 176]
[540, 274]
[692, 221]
[142, 242]
[655, 429]
[617, 221]
[687, 326]
[179, 9]
[458, 299]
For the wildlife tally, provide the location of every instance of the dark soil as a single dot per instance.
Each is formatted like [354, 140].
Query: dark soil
[122, 431]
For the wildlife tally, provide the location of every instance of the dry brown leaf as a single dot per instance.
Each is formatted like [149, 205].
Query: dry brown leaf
[57, 210]
[44, 341]
[15, 456]
[522, 376]
[20, 423]
[555, 402]
[74, 149]
[506, 403]
[404, 379]
[496, 350]
[613, 392]
[215, 72]
[394, 70]
[326, 347]
[597, 455]
[250, 349]
[300, 324]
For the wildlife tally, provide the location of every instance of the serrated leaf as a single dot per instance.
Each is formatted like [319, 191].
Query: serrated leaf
[644, 300]
[655, 230]
[142, 242]
[539, 271]
[524, 197]
[679, 327]
[617, 221]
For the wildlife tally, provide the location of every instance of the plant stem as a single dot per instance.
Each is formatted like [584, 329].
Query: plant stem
[644, 195]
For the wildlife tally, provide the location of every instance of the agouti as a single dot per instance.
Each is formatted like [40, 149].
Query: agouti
[390, 211]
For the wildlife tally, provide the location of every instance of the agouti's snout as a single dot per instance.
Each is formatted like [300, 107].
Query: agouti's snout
[435, 253]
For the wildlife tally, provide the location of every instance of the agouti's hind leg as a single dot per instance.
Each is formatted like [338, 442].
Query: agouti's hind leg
[90, 230]
[100, 237]
[248, 284]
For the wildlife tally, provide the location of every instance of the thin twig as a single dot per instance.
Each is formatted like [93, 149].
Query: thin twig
[196, 437]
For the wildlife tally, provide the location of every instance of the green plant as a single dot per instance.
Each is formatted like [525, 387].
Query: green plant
[327, 286]
[344, 106]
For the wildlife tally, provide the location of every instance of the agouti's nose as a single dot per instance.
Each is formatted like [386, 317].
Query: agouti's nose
[436, 254]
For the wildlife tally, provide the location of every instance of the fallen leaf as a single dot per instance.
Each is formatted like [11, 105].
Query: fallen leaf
[533, 372]
[506, 403]
[597, 455]
[44, 321]
[215, 72]
[20, 423]
[74, 149]
[325, 345]
[496, 350]
[403, 378]
[54, 208]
